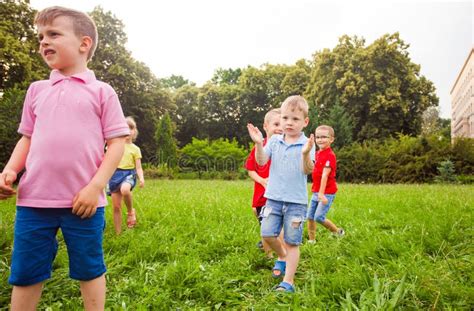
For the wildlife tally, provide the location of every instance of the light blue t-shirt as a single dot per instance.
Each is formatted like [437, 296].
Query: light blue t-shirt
[287, 182]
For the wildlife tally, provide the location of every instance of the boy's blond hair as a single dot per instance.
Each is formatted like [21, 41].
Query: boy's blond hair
[269, 114]
[325, 128]
[296, 102]
[132, 125]
[82, 23]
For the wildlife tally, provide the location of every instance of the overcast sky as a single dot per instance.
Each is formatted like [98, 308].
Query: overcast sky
[194, 38]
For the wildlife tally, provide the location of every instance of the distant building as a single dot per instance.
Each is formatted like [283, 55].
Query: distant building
[462, 101]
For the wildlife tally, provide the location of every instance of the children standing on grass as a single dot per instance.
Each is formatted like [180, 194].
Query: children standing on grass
[64, 124]
[292, 157]
[324, 183]
[259, 174]
[125, 178]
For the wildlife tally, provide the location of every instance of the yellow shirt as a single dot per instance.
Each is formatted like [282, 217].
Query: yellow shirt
[131, 154]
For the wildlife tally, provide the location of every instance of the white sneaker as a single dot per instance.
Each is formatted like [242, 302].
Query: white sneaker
[340, 232]
[311, 242]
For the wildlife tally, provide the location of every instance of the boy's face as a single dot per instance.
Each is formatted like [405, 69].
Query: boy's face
[293, 121]
[323, 138]
[61, 48]
[273, 126]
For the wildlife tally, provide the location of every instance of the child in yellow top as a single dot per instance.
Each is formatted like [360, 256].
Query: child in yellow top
[125, 179]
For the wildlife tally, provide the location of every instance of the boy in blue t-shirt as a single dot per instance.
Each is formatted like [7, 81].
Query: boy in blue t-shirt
[292, 159]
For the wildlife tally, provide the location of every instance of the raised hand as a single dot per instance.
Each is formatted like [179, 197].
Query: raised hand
[255, 134]
[309, 145]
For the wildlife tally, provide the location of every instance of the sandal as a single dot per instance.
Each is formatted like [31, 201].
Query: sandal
[279, 266]
[285, 287]
[131, 219]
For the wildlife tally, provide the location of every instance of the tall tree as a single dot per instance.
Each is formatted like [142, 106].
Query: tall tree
[340, 121]
[20, 62]
[378, 86]
[167, 150]
[139, 91]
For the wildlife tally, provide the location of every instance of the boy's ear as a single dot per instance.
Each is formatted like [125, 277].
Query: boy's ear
[86, 44]
[306, 121]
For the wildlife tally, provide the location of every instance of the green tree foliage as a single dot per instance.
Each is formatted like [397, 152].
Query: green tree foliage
[342, 125]
[20, 62]
[446, 172]
[217, 155]
[166, 152]
[10, 114]
[226, 76]
[403, 159]
[175, 82]
[140, 93]
[378, 86]
[188, 116]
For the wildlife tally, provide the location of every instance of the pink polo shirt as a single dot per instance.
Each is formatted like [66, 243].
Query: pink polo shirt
[68, 120]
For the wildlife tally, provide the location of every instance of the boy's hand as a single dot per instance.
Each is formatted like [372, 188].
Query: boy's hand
[141, 183]
[263, 182]
[6, 184]
[255, 134]
[322, 198]
[85, 202]
[309, 145]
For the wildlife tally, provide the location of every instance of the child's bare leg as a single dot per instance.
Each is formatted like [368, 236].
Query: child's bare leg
[329, 225]
[292, 259]
[26, 297]
[126, 191]
[276, 246]
[93, 293]
[267, 249]
[117, 204]
[311, 229]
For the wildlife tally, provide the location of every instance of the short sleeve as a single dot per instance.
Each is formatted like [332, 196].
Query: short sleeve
[251, 163]
[112, 118]
[28, 117]
[138, 153]
[269, 147]
[331, 162]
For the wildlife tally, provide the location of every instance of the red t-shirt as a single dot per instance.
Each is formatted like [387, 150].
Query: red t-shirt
[262, 171]
[325, 158]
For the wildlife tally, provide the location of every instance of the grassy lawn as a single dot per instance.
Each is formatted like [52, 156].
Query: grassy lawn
[406, 246]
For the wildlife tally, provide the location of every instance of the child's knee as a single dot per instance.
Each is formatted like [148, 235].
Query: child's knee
[126, 191]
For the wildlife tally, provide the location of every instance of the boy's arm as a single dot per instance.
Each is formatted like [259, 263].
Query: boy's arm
[139, 169]
[322, 186]
[308, 163]
[258, 179]
[15, 165]
[260, 156]
[85, 202]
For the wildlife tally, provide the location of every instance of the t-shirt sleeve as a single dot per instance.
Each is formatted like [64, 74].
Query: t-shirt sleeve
[113, 120]
[138, 153]
[251, 163]
[28, 117]
[268, 148]
[331, 162]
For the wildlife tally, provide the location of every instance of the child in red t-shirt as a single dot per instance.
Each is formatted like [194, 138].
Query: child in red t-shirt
[324, 183]
[259, 174]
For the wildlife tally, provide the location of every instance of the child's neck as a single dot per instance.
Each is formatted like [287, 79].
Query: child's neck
[70, 71]
[291, 139]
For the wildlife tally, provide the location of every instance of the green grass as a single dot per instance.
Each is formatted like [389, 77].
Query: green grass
[406, 247]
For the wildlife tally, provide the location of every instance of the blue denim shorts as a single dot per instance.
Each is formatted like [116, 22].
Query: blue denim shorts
[289, 216]
[122, 176]
[35, 245]
[317, 210]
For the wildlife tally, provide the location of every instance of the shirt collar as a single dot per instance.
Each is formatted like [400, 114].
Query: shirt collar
[301, 141]
[86, 76]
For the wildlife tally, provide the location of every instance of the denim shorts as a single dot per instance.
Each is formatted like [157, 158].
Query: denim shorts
[289, 216]
[122, 176]
[35, 245]
[317, 210]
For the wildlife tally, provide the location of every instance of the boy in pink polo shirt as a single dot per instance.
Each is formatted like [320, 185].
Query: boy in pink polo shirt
[64, 124]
